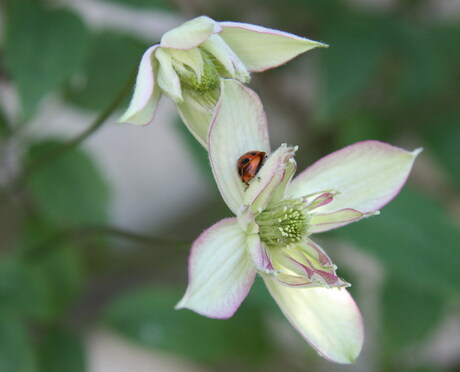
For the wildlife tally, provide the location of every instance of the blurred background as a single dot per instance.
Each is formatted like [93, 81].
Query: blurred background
[94, 238]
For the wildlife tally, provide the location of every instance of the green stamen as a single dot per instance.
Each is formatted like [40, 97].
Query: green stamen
[284, 223]
[208, 81]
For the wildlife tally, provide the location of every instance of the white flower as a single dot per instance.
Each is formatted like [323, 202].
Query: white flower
[190, 60]
[275, 218]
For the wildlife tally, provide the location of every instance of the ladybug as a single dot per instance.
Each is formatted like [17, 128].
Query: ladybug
[249, 164]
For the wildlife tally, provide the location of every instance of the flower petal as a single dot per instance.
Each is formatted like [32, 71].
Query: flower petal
[305, 265]
[367, 176]
[188, 60]
[329, 221]
[147, 93]
[327, 318]
[190, 34]
[167, 77]
[263, 48]
[196, 113]
[220, 271]
[271, 181]
[239, 125]
[258, 254]
[222, 52]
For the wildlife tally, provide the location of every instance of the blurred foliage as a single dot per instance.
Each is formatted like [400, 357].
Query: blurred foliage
[401, 302]
[428, 236]
[62, 351]
[4, 125]
[69, 190]
[146, 316]
[390, 74]
[154, 4]
[95, 85]
[42, 55]
[16, 353]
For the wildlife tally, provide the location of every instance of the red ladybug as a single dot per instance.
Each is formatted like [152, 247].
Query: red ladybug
[249, 164]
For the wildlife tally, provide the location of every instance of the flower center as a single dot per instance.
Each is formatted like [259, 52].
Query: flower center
[284, 223]
[209, 79]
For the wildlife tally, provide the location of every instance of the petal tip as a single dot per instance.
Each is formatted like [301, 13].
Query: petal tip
[322, 45]
[416, 152]
[181, 304]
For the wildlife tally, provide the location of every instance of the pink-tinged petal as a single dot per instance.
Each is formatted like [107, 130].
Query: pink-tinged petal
[366, 175]
[263, 48]
[190, 34]
[147, 93]
[327, 318]
[196, 113]
[329, 221]
[239, 125]
[320, 200]
[305, 264]
[271, 180]
[220, 271]
[168, 80]
[258, 253]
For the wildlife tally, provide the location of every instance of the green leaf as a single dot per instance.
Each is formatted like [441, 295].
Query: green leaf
[408, 313]
[60, 275]
[112, 58]
[16, 353]
[42, 49]
[4, 125]
[148, 317]
[62, 351]
[416, 241]
[68, 190]
[423, 71]
[442, 136]
[361, 126]
[351, 61]
[43, 289]
[21, 292]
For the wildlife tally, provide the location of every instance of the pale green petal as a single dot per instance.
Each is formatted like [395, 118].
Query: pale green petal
[239, 125]
[191, 58]
[262, 48]
[221, 51]
[220, 271]
[258, 253]
[367, 176]
[269, 184]
[190, 34]
[329, 221]
[196, 112]
[146, 92]
[327, 318]
[167, 77]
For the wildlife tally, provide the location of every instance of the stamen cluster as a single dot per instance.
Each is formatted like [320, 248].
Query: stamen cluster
[284, 223]
[205, 82]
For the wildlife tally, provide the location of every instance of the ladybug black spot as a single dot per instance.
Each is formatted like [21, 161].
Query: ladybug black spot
[240, 172]
[245, 161]
[253, 153]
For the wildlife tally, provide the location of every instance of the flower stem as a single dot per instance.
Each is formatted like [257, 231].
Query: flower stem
[21, 180]
[73, 142]
[43, 249]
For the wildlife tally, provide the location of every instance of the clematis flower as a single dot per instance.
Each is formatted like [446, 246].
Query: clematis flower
[275, 219]
[190, 60]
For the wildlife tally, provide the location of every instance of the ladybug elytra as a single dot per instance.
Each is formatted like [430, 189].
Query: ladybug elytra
[249, 164]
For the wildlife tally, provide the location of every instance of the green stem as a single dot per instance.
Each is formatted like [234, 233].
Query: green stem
[84, 232]
[19, 183]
